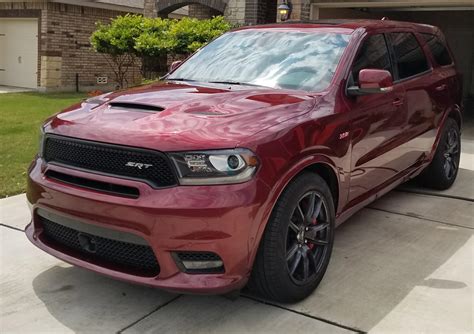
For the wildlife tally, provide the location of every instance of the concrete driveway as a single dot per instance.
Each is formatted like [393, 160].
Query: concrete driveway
[404, 264]
[11, 89]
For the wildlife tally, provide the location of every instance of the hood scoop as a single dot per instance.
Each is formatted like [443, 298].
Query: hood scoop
[132, 106]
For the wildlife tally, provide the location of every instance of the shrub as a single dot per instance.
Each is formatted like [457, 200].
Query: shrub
[127, 37]
[117, 41]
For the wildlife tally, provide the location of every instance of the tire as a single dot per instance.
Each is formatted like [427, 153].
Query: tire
[443, 169]
[275, 275]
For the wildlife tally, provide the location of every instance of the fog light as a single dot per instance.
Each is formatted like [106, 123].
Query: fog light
[199, 262]
[200, 265]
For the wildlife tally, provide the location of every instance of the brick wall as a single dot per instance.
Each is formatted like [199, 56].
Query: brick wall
[202, 12]
[64, 46]
[260, 11]
[68, 30]
[235, 11]
[149, 8]
[300, 10]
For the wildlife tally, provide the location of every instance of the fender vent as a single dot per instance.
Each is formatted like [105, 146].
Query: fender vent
[135, 106]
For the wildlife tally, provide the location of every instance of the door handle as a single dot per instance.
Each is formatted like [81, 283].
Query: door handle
[397, 102]
[441, 88]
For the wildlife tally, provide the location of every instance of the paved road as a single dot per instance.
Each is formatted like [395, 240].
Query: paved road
[405, 263]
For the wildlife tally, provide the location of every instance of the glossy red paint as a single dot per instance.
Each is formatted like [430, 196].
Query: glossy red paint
[372, 78]
[369, 144]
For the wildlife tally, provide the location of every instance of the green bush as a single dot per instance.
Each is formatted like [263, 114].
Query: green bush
[190, 34]
[129, 37]
[118, 37]
[155, 38]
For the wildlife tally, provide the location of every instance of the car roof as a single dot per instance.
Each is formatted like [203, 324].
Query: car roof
[345, 24]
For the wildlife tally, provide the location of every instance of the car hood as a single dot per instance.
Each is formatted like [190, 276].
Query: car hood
[180, 116]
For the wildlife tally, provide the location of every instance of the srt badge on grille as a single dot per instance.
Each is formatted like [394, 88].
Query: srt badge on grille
[138, 165]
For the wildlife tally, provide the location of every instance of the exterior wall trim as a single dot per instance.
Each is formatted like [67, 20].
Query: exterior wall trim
[164, 8]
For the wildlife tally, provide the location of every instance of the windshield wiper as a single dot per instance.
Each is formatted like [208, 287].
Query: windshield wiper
[180, 79]
[237, 83]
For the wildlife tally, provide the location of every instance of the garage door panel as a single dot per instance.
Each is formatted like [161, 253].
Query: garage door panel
[19, 52]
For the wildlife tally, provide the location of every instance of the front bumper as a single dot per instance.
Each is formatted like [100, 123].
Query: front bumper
[224, 219]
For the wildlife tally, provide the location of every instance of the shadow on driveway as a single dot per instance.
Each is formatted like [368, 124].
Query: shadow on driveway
[379, 258]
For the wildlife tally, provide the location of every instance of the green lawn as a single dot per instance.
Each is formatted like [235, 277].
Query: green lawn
[21, 115]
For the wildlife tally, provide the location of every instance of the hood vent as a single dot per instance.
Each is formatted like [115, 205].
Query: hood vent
[131, 106]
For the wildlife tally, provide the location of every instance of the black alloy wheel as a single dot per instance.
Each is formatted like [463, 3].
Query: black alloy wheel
[308, 238]
[296, 246]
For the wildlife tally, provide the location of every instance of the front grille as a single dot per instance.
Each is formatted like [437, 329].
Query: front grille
[115, 254]
[152, 167]
[105, 187]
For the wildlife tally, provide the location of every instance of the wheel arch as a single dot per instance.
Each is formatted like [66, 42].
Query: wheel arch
[321, 165]
[318, 164]
[455, 113]
[327, 173]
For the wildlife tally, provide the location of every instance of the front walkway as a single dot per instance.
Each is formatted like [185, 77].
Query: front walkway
[11, 89]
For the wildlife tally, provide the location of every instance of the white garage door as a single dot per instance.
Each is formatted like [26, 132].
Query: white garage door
[18, 52]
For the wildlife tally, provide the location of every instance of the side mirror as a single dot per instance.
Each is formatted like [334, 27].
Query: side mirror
[372, 81]
[174, 65]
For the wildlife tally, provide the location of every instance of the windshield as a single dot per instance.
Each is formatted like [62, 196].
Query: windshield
[276, 59]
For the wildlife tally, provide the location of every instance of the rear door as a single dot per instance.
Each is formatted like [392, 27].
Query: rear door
[444, 86]
[414, 71]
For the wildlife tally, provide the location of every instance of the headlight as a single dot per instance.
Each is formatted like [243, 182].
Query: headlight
[215, 167]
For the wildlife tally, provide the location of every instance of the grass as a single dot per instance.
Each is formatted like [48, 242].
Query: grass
[21, 115]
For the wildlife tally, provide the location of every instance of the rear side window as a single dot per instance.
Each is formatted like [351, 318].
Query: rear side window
[410, 58]
[438, 49]
[372, 54]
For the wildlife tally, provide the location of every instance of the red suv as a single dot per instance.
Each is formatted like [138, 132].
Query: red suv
[240, 164]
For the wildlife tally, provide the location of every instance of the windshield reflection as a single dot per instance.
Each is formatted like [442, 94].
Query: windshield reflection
[276, 59]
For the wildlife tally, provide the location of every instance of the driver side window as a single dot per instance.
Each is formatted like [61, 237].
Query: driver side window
[373, 54]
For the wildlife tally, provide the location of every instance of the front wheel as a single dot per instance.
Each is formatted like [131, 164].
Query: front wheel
[296, 246]
[443, 169]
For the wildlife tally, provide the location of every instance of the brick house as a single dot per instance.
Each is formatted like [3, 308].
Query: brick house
[45, 44]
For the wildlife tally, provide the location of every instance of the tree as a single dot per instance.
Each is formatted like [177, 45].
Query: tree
[190, 34]
[116, 41]
[128, 37]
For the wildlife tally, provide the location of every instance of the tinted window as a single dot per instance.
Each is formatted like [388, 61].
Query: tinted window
[372, 54]
[274, 58]
[410, 58]
[438, 49]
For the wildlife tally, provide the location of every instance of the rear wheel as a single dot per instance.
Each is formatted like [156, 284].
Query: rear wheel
[443, 169]
[296, 247]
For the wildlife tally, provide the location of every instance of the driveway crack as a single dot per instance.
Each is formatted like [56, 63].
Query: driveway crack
[352, 329]
[12, 227]
[148, 314]
[419, 217]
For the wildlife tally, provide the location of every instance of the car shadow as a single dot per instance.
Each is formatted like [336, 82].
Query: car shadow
[88, 302]
[378, 259]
